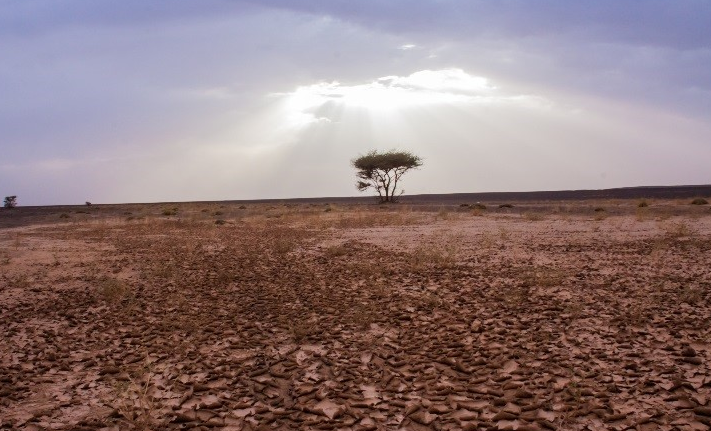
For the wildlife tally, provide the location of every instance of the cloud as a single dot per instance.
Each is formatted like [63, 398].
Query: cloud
[682, 24]
[642, 51]
[136, 100]
[388, 95]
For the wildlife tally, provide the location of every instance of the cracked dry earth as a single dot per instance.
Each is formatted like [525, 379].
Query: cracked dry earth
[495, 322]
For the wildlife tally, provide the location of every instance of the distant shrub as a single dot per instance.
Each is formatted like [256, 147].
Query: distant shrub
[464, 205]
[87, 203]
[479, 206]
[699, 201]
[533, 216]
[220, 222]
[64, 215]
[242, 207]
[599, 209]
[217, 213]
[505, 206]
[10, 202]
[170, 212]
[642, 204]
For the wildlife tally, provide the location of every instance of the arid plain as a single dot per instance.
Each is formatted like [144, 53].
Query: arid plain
[531, 316]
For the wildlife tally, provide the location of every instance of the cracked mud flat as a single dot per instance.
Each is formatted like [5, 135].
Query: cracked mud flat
[352, 320]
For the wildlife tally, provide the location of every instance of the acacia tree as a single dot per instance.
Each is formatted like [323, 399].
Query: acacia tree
[382, 171]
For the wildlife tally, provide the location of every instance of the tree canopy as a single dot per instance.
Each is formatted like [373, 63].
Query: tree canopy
[382, 171]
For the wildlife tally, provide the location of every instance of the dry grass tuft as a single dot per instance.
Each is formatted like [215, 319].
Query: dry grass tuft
[113, 290]
[533, 216]
[678, 230]
[439, 253]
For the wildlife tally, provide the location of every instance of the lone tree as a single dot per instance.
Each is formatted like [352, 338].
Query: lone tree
[10, 202]
[382, 171]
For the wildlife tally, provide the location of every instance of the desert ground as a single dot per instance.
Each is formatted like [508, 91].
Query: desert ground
[574, 315]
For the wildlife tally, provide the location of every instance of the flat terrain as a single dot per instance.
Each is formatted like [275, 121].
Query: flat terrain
[539, 315]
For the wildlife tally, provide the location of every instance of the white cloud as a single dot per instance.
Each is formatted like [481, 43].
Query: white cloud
[426, 88]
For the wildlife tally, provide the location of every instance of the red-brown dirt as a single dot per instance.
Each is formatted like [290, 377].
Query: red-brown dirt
[540, 316]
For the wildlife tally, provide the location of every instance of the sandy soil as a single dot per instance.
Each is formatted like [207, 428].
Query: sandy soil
[358, 318]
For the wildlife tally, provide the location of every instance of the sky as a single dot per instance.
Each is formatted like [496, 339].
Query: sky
[151, 101]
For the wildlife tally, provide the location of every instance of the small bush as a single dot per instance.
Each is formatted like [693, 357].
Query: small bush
[464, 205]
[10, 202]
[336, 251]
[64, 215]
[170, 212]
[220, 222]
[599, 210]
[533, 216]
[113, 290]
[505, 206]
[699, 201]
[642, 204]
[479, 206]
[242, 207]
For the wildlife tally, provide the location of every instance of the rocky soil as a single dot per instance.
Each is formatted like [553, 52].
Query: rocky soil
[357, 320]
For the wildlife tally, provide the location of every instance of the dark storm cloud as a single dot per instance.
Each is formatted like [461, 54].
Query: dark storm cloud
[682, 24]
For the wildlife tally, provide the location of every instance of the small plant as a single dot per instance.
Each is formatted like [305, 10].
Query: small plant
[479, 206]
[64, 215]
[678, 230]
[699, 201]
[643, 204]
[220, 222]
[641, 213]
[505, 206]
[443, 214]
[136, 404]
[113, 290]
[533, 216]
[441, 254]
[170, 212]
[599, 209]
[10, 202]
[600, 216]
[336, 250]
